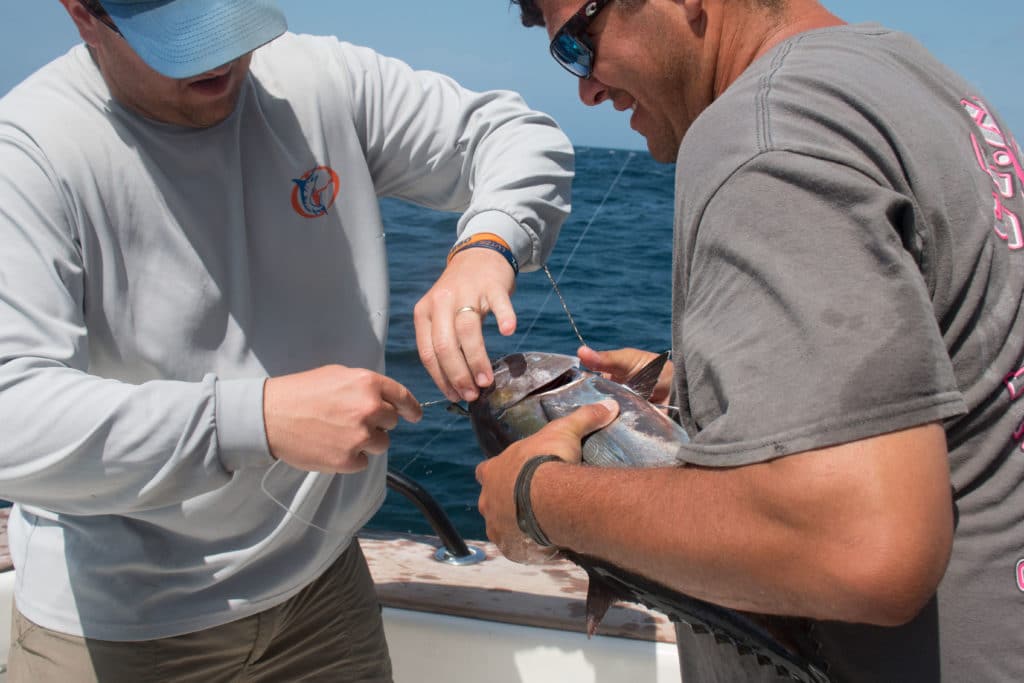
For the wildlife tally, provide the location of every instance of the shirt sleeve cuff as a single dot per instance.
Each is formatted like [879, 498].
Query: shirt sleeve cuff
[241, 434]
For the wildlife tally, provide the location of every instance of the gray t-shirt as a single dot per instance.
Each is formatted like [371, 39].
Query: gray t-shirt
[848, 262]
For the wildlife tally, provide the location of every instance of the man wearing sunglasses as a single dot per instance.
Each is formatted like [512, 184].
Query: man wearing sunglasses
[848, 344]
[193, 290]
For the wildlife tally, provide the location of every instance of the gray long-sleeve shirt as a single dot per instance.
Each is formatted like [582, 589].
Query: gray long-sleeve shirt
[152, 277]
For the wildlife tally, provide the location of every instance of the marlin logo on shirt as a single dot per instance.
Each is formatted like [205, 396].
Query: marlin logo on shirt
[315, 192]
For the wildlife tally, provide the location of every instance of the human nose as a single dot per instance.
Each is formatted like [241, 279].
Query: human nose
[592, 91]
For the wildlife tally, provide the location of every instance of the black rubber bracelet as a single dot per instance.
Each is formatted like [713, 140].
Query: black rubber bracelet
[524, 507]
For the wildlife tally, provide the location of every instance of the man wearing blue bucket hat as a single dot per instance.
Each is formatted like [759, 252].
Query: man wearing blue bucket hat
[193, 311]
[187, 37]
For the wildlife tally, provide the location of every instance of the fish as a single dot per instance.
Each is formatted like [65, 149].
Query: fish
[531, 389]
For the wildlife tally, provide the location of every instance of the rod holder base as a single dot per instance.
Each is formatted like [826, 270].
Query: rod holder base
[476, 556]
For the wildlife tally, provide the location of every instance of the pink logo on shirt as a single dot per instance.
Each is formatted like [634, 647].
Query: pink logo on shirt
[999, 156]
[1020, 575]
[1014, 383]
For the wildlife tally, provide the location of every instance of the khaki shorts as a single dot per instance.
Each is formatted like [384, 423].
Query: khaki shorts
[330, 631]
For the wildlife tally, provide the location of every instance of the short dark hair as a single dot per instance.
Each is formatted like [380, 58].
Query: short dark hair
[530, 14]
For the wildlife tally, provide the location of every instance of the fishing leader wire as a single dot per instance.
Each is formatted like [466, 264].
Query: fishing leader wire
[575, 248]
[554, 285]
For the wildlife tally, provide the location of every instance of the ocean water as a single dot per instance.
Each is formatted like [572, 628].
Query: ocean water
[612, 263]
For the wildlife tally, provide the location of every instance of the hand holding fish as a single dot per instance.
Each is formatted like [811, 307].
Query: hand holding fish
[497, 476]
[331, 419]
[449, 321]
[619, 365]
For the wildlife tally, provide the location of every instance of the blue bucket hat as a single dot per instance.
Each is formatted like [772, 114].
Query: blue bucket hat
[184, 38]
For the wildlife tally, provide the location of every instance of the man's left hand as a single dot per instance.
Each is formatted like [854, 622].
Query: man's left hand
[449, 321]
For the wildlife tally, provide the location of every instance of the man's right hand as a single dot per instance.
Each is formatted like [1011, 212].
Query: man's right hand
[619, 365]
[331, 419]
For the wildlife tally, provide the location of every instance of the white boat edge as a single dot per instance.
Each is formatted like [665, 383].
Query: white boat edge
[483, 636]
[463, 649]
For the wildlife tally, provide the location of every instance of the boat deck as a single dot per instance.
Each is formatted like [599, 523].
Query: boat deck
[547, 596]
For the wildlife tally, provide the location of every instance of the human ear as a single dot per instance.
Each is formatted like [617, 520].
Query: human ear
[87, 25]
[694, 10]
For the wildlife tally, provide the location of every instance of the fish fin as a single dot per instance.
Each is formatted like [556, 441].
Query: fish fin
[599, 598]
[646, 380]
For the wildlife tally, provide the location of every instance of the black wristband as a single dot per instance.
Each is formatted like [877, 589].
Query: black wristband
[524, 507]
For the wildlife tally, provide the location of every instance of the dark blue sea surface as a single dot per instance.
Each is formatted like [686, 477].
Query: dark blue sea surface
[612, 263]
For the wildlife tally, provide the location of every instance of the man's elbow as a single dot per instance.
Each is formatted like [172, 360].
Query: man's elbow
[895, 580]
[898, 536]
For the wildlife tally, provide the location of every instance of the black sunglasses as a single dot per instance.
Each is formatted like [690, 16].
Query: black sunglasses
[101, 16]
[570, 47]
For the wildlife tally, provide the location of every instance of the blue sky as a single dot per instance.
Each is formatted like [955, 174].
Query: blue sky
[481, 43]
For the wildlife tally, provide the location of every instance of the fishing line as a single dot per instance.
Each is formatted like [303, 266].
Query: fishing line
[313, 525]
[572, 253]
[431, 404]
[440, 433]
[286, 508]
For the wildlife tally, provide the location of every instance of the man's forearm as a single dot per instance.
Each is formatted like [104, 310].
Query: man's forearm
[859, 532]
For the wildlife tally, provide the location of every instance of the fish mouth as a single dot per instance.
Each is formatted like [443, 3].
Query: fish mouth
[570, 376]
[566, 379]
